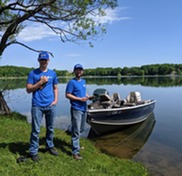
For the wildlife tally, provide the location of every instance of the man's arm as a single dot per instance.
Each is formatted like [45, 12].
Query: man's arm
[55, 95]
[74, 98]
[33, 87]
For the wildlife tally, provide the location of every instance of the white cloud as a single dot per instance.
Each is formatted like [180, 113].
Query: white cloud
[35, 32]
[112, 16]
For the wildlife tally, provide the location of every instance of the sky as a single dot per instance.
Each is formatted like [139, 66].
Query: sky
[139, 32]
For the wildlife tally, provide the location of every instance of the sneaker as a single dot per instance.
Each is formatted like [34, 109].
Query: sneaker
[52, 151]
[21, 159]
[77, 157]
[35, 158]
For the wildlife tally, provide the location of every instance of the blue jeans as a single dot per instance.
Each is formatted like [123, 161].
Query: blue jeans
[78, 119]
[37, 115]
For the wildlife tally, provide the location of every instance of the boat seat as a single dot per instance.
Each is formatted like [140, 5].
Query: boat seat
[116, 100]
[132, 99]
[105, 99]
[116, 97]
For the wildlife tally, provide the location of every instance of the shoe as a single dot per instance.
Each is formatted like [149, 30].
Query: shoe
[77, 157]
[52, 151]
[21, 159]
[35, 158]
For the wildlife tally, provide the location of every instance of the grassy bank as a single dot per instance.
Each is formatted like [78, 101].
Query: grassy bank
[14, 142]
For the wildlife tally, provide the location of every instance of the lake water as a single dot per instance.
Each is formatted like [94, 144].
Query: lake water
[156, 142]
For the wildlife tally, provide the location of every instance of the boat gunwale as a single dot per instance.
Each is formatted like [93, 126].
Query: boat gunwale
[122, 108]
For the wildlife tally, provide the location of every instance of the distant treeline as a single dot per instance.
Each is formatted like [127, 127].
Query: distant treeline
[145, 70]
[155, 69]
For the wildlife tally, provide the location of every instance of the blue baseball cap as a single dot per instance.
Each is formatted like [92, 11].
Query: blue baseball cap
[78, 66]
[43, 55]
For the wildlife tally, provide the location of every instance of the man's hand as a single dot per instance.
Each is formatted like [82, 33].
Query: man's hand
[91, 97]
[43, 81]
[83, 99]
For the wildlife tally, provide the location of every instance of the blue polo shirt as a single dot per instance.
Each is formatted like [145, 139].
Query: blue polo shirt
[45, 96]
[78, 89]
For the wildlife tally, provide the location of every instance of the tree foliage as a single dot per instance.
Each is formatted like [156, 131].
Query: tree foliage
[145, 70]
[71, 20]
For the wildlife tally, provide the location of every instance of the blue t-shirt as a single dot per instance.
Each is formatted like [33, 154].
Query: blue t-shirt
[78, 89]
[44, 96]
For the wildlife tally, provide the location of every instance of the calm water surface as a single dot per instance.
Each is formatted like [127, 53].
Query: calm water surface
[156, 142]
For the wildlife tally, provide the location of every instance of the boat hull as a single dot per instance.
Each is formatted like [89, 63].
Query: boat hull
[108, 120]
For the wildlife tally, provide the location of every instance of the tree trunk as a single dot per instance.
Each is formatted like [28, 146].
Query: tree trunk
[4, 109]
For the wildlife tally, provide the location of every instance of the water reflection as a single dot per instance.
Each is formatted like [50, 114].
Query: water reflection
[156, 81]
[127, 142]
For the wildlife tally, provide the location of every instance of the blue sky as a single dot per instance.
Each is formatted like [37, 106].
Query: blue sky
[139, 32]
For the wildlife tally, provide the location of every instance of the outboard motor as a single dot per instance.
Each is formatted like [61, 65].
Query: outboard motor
[98, 92]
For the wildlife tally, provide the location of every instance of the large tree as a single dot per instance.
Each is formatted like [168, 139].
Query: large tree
[79, 17]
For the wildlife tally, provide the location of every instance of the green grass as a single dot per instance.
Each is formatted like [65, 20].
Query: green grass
[14, 142]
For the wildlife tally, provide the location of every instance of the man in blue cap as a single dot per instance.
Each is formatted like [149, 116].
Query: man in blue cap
[76, 93]
[42, 83]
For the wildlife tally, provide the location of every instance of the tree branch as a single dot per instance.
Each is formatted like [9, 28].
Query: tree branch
[32, 49]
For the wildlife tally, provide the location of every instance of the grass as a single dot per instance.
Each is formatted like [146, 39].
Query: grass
[14, 142]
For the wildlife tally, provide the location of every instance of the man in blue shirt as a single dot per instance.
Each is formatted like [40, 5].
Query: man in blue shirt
[42, 83]
[76, 93]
